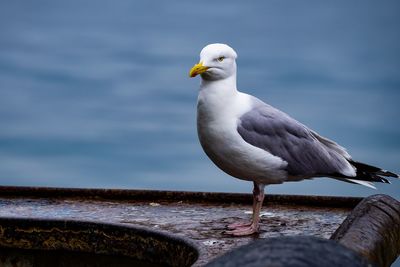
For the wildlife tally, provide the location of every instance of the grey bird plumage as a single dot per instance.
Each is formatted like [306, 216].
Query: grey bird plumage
[307, 153]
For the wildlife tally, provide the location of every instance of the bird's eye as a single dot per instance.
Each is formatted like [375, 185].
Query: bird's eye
[220, 59]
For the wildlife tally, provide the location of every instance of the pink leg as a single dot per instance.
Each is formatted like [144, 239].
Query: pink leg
[241, 229]
[237, 225]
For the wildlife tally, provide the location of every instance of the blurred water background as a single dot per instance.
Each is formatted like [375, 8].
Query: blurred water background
[96, 93]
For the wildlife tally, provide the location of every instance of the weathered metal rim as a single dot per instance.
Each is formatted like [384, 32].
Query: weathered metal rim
[158, 195]
[137, 242]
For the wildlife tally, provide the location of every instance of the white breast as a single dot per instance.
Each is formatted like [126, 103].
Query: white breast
[218, 112]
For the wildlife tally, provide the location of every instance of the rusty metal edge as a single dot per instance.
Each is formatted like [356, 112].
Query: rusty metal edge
[17, 227]
[173, 196]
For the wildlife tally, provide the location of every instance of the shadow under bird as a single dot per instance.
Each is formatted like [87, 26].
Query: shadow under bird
[253, 141]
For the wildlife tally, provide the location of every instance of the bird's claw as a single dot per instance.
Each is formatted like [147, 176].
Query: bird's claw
[234, 226]
[243, 231]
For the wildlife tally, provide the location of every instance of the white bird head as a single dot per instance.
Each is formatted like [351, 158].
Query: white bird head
[217, 62]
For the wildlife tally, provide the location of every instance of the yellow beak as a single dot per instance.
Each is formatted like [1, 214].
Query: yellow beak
[197, 69]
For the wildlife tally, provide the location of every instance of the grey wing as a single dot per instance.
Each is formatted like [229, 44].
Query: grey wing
[307, 153]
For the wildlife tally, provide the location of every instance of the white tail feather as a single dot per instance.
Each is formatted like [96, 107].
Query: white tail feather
[364, 183]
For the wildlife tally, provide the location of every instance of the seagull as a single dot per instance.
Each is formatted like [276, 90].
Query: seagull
[251, 140]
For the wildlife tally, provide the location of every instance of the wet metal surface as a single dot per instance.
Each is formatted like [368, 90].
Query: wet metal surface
[200, 221]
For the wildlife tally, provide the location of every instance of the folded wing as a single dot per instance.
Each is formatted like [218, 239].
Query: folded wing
[306, 153]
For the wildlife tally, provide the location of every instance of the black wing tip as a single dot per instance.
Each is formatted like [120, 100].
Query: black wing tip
[388, 174]
[369, 170]
[384, 180]
[378, 178]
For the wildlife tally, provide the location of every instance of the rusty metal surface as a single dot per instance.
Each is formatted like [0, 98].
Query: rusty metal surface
[141, 245]
[373, 230]
[188, 215]
[151, 195]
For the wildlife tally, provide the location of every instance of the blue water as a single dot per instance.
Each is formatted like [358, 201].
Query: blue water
[96, 93]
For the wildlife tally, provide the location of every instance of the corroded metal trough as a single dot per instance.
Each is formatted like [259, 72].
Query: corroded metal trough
[51, 226]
